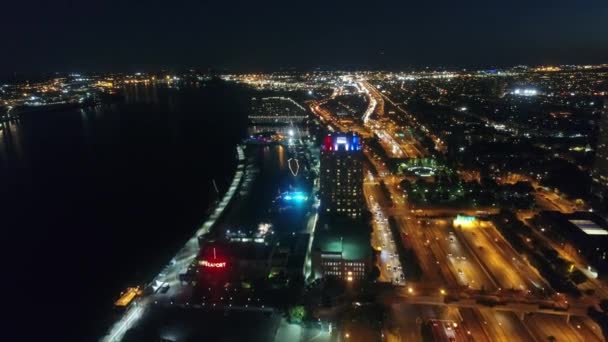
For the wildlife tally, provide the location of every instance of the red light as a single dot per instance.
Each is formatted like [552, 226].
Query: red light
[327, 143]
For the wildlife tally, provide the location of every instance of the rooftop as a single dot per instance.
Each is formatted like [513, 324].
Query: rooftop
[223, 249]
[353, 244]
[589, 227]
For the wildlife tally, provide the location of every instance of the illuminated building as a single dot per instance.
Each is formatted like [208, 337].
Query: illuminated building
[342, 253]
[238, 259]
[341, 175]
[276, 110]
[599, 173]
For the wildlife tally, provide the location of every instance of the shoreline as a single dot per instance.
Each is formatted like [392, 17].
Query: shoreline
[184, 256]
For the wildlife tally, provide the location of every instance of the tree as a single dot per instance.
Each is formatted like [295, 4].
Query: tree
[297, 314]
[374, 274]
[578, 277]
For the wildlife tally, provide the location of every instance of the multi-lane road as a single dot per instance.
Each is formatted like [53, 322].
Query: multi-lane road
[391, 269]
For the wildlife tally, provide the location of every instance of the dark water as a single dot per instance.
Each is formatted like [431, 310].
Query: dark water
[96, 199]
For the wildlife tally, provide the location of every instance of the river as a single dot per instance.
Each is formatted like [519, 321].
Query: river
[96, 199]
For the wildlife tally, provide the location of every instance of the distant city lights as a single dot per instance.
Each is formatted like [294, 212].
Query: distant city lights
[525, 92]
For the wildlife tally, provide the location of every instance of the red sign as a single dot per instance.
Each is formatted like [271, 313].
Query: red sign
[206, 263]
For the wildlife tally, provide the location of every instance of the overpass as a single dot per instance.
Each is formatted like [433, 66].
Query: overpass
[521, 309]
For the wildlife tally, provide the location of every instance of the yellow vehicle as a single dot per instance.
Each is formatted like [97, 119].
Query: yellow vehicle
[127, 297]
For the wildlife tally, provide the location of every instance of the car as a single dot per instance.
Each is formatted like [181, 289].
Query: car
[460, 272]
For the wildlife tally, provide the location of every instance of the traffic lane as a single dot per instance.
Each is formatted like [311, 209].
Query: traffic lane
[407, 320]
[449, 274]
[390, 265]
[509, 256]
[441, 258]
[504, 325]
[383, 260]
[432, 274]
[485, 254]
[588, 330]
[533, 279]
[473, 325]
[464, 266]
[544, 325]
[495, 263]
[470, 264]
[553, 203]
[459, 263]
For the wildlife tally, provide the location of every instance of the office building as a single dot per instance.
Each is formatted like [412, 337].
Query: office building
[341, 175]
[342, 252]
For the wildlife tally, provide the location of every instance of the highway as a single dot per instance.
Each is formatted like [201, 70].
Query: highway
[481, 323]
[473, 324]
[433, 276]
[390, 267]
[542, 326]
[386, 129]
[463, 264]
[439, 144]
[505, 265]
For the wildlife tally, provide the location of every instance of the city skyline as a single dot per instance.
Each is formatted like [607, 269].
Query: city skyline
[444, 193]
[310, 171]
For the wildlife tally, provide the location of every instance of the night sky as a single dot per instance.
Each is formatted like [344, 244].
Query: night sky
[108, 35]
